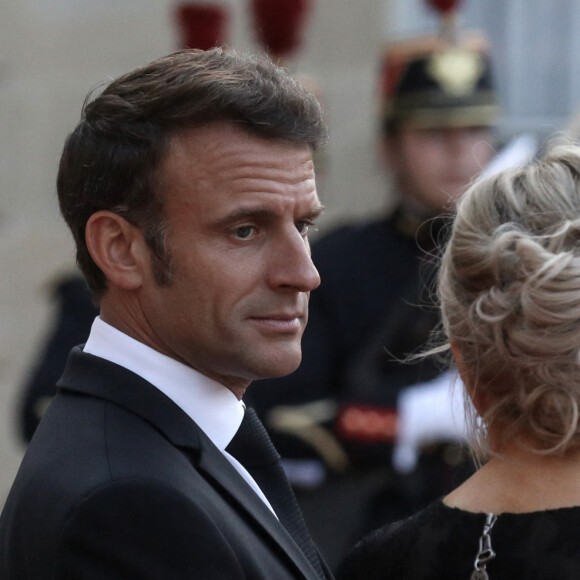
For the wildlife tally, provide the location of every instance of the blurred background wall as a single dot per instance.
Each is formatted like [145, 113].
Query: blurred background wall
[53, 51]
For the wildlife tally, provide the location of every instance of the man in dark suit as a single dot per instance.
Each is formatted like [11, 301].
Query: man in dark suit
[189, 188]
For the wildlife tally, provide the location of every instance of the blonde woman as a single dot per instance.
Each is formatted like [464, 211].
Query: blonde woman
[509, 288]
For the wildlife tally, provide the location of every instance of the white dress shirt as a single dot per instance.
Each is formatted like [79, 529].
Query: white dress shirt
[215, 409]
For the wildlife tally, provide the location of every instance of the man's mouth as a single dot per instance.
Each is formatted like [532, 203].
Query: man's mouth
[289, 323]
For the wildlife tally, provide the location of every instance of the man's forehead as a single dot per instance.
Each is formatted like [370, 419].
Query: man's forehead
[224, 145]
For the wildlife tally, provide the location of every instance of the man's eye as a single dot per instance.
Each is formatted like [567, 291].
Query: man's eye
[305, 227]
[244, 232]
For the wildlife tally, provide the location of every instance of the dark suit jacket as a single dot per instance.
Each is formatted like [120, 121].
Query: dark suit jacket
[118, 482]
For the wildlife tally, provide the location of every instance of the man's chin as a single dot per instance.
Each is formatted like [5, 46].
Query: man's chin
[281, 367]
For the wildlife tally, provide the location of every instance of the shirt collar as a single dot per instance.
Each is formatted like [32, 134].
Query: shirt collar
[210, 404]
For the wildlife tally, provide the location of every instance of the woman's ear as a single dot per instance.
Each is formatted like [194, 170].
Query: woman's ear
[477, 397]
[118, 248]
[459, 363]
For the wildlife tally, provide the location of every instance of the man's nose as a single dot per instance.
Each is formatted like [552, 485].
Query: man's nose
[293, 267]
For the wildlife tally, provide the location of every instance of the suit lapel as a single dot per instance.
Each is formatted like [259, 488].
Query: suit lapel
[217, 468]
[94, 376]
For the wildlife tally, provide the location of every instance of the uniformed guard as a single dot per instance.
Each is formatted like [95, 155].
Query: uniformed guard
[355, 398]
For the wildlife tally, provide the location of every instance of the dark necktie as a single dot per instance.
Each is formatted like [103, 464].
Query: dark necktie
[252, 447]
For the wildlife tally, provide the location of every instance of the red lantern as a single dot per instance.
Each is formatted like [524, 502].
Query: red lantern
[279, 24]
[202, 25]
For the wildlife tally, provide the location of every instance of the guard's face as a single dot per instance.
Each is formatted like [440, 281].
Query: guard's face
[238, 210]
[433, 167]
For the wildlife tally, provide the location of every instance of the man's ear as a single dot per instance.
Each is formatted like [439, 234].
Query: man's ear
[389, 151]
[118, 248]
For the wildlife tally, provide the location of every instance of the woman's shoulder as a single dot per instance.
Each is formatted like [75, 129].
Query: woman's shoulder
[442, 542]
[394, 549]
[383, 548]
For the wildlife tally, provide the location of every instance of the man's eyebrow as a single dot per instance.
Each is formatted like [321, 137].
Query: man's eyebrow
[243, 214]
[314, 213]
[262, 213]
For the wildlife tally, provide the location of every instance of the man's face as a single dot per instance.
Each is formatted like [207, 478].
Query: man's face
[433, 167]
[238, 209]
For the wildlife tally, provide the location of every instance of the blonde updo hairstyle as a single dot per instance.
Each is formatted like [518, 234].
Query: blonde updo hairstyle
[509, 286]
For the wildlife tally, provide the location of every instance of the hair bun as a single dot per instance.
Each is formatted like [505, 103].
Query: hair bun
[509, 286]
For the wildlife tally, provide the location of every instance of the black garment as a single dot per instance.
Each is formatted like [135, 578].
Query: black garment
[118, 483]
[441, 543]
